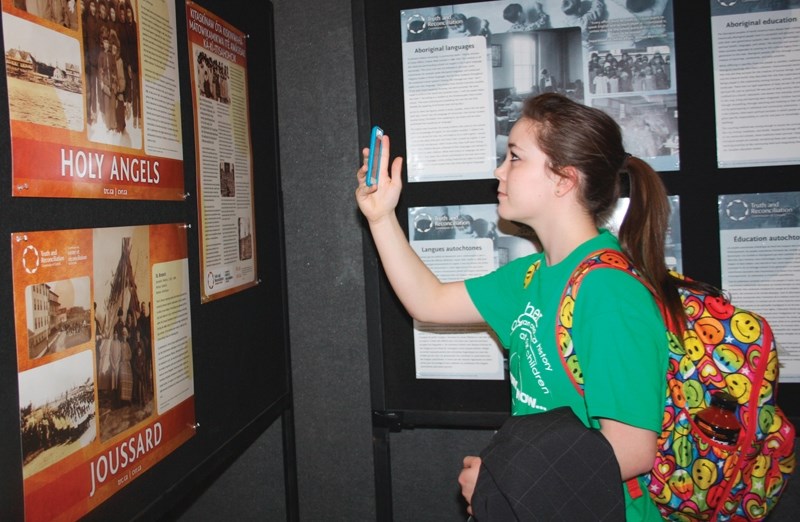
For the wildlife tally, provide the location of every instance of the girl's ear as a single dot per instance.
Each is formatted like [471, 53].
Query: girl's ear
[567, 180]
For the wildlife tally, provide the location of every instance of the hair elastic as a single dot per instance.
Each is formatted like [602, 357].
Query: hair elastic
[625, 159]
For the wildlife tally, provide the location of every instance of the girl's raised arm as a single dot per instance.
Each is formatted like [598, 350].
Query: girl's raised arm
[422, 294]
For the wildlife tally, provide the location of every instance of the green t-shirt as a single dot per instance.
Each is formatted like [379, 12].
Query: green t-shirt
[617, 331]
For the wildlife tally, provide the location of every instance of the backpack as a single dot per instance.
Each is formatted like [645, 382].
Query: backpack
[693, 476]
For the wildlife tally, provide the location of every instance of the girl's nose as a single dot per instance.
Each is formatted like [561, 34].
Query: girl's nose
[499, 172]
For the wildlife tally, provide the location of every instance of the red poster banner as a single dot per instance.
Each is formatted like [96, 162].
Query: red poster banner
[220, 101]
[103, 334]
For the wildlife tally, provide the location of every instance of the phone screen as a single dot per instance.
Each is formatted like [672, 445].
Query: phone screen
[375, 150]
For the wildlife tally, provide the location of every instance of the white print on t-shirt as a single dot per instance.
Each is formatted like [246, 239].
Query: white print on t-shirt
[521, 396]
[525, 329]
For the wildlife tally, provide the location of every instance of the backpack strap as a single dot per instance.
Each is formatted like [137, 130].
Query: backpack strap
[605, 258]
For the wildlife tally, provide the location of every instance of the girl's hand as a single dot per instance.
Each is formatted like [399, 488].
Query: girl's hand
[468, 478]
[379, 200]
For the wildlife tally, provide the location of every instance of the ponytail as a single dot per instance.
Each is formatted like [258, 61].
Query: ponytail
[642, 235]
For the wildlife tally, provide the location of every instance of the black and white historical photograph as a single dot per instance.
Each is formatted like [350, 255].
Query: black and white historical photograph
[649, 123]
[462, 222]
[56, 411]
[123, 330]
[639, 69]
[731, 7]
[58, 315]
[599, 20]
[532, 63]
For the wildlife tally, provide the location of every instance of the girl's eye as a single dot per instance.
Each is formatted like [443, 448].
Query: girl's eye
[513, 156]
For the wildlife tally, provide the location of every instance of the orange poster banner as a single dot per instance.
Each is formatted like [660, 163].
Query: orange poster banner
[103, 331]
[94, 110]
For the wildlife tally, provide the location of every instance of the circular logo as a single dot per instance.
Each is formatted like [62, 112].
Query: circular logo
[737, 210]
[423, 223]
[415, 24]
[30, 259]
[210, 280]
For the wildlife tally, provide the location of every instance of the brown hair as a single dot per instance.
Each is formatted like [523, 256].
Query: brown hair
[572, 134]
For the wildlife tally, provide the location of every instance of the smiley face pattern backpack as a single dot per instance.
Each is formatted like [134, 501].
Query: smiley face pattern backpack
[726, 349]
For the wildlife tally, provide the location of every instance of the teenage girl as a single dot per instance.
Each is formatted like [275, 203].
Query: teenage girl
[561, 176]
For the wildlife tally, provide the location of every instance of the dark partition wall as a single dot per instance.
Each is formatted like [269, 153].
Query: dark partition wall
[399, 398]
[240, 342]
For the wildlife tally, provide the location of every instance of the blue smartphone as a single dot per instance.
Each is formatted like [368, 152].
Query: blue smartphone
[375, 151]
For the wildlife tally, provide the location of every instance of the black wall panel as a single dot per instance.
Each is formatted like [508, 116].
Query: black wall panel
[698, 182]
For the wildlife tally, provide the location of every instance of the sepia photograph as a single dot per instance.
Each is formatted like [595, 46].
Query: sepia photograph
[212, 78]
[63, 13]
[111, 51]
[227, 179]
[56, 411]
[44, 75]
[58, 316]
[123, 331]
[245, 239]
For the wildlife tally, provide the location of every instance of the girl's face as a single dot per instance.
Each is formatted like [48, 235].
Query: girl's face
[527, 184]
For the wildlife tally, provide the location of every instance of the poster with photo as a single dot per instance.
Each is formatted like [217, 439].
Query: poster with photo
[456, 243]
[94, 107]
[759, 237]
[104, 357]
[224, 155]
[468, 68]
[756, 87]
